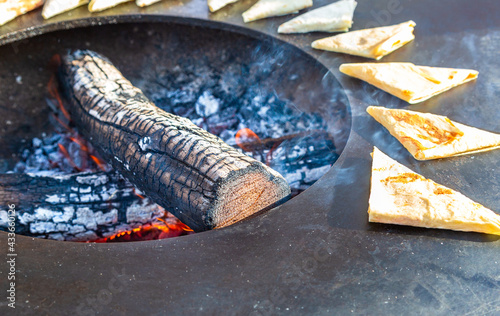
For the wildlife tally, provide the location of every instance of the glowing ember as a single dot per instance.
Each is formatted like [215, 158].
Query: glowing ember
[139, 195]
[150, 232]
[64, 151]
[80, 143]
[52, 87]
[99, 162]
[244, 136]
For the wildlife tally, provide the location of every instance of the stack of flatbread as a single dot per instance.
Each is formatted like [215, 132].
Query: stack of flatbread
[267, 8]
[400, 196]
[371, 43]
[430, 136]
[409, 82]
[336, 17]
[10, 9]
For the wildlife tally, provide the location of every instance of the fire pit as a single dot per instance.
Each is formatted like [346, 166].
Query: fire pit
[268, 100]
[315, 254]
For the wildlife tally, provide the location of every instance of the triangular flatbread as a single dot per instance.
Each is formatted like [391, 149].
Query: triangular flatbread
[10, 9]
[100, 5]
[267, 8]
[371, 43]
[408, 82]
[144, 3]
[400, 196]
[430, 136]
[335, 17]
[215, 5]
[55, 7]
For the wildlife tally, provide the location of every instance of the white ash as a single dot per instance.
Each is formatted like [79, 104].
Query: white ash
[207, 104]
[65, 216]
[142, 212]
[144, 143]
[83, 190]
[55, 199]
[110, 217]
[43, 227]
[120, 116]
[93, 180]
[85, 217]
[95, 114]
[43, 214]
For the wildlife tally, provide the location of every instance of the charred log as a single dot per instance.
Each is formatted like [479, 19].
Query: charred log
[270, 143]
[77, 207]
[192, 173]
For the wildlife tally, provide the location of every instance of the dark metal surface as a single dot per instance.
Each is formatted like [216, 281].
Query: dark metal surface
[317, 253]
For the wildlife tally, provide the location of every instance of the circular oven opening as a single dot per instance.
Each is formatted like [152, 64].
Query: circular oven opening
[263, 96]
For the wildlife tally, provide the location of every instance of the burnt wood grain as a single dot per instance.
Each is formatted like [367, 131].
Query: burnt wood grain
[203, 181]
[76, 207]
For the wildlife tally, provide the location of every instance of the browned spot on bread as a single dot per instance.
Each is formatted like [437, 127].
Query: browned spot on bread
[440, 190]
[413, 141]
[434, 134]
[403, 178]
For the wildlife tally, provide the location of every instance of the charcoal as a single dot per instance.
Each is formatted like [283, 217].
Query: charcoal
[37, 142]
[207, 104]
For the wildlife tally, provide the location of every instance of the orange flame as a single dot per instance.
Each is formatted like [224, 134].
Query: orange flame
[154, 230]
[246, 135]
[64, 125]
[137, 194]
[80, 143]
[99, 162]
[53, 91]
[66, 154]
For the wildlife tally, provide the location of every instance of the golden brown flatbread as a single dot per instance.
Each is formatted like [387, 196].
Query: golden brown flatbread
[267, 8]
[430, 136]
[215, 5]
[335, 17]
[400, 196]
[370, 43]
[144, 3]
[100, 5]
[408, 82]
[55, 7]
[10, 9]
